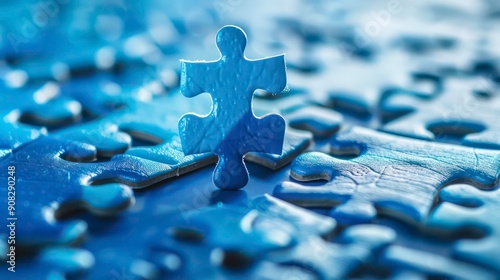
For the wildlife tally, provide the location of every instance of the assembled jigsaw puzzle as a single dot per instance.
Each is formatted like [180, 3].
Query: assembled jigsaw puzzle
[227, 139]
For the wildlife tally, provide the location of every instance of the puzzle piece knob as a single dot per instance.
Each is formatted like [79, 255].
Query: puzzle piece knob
[231, 41]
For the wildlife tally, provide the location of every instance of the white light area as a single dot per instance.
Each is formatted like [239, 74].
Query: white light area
[16, 78]
[172, 262]
[13, 116]
[155, 87]
[144, 269]
[49, 91]
[247, 221]
[60, 71]
[49, 214]
[111, 88]
[138, 46]
[153, 57]
[105, 58]
[109, 26]
[143, 94]
[169, 77]
[161, 29]
[75, 107]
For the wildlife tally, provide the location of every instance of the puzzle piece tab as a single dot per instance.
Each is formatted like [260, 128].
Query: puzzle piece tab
[390, 174]
[231, 130]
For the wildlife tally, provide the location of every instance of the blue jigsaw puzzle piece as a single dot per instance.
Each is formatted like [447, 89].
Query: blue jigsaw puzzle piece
[295, 143]
[237, 225]
[13, 135]
[41, 105]
[201, 247]
[146, 127]
[466, 107]
[58, 55]
[56, 263]
[105, 93]
[389, 174]
[174, 259]
[463, 206]
[403, 261]
[338, 88]
[231, 130]
[153, 122]
[411, 37]
[47, 183]
[428, 264]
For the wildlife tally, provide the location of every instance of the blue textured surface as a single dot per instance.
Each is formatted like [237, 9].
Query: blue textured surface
[67, 186]
[289, 236]
[40, 104]
[57, 263]
[91, 89]
[377, 177]
[231, 129]
[463, 206]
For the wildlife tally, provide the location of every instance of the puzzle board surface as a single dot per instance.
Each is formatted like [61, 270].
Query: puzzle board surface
[384, 163]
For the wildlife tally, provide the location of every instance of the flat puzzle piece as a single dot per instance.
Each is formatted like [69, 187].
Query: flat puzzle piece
[403, 262]
[56, 263]
[48, 185]
[466, 107]
[269, 234]
[13, 135]
[105, 93]
[390, 174]
[428, 264]
[231, 130]
[338, 87]
[41, 105]
[463, 206]
[152, 123]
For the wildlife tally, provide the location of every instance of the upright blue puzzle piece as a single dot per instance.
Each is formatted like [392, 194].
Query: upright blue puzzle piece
[151, 121]
[390, 174]
[231, 130]
[463, 206]
[466, 107]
